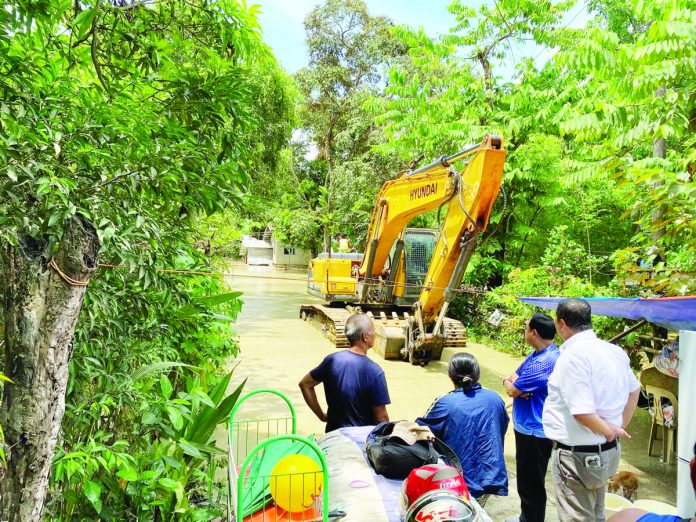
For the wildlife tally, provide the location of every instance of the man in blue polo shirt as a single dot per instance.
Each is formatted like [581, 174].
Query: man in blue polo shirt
[528, 387]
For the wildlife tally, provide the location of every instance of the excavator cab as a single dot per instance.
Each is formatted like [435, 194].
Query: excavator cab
[335, 278]
[418, 251]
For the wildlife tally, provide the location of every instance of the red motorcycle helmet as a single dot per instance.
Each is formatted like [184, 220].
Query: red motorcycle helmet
[440, 505]
[433, 477]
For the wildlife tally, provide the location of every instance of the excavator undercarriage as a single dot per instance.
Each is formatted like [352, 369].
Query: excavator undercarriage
[394, 339]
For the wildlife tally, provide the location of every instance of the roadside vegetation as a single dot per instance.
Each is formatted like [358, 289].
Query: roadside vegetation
[139, 140]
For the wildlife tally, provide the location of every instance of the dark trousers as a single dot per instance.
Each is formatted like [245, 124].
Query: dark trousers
[533, 455]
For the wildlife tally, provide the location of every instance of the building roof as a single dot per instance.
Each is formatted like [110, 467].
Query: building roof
[252, 242]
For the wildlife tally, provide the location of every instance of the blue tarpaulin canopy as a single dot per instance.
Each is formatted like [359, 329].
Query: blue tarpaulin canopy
[674, 313]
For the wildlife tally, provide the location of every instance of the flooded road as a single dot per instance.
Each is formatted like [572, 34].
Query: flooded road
[278, 349]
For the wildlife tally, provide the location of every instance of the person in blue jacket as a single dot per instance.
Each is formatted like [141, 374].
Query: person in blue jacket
[529, 388]
[472, 421]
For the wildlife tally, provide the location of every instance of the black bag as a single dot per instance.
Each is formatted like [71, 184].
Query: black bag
[395, 459]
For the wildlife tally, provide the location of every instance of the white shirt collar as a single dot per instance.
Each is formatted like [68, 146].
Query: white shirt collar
[579, 337]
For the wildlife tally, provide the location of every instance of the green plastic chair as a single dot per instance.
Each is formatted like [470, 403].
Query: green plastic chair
[266, 446]
[242, 433]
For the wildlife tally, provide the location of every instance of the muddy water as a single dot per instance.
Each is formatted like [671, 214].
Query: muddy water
[278, 349]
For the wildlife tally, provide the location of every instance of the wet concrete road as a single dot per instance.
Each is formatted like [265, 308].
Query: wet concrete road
[278, 349]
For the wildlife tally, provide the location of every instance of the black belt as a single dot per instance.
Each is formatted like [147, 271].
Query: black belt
[595, 448]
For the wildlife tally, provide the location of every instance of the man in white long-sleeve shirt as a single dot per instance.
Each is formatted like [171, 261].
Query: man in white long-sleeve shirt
[592, 396]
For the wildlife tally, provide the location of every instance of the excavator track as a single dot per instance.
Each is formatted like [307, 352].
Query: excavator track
[455, 333]
[332, 320]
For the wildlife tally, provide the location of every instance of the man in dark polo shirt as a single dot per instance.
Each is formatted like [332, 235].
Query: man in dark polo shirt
[528, 387]
[354, 386]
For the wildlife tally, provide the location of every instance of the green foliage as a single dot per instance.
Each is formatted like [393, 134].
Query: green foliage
[268, 162]
[145, 477]
[508, 336]
[635, 120]
[220, 234]
[447, 95]
[166, 125]
[140, 118]
[567, 257]
[144, 398]
[70, 144]
[301, 216]
[560, 262]
[593, 112]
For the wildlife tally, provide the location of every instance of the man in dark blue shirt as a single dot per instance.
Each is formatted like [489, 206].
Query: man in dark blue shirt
[528, 386]
[354, 386]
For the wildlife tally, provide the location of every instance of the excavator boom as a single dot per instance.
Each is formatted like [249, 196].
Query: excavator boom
[399, 201]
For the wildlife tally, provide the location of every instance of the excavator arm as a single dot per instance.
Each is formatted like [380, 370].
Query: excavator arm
[469, 194]
[466, 218]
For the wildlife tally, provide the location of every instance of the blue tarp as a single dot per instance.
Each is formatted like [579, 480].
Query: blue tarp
[674, 313]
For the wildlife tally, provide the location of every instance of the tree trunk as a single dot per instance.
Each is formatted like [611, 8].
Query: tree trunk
[41, 309]
[327, 240]
[328, 155]
[659, 151]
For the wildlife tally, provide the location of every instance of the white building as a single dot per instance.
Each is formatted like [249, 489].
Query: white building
[267, 249]
[257, 251]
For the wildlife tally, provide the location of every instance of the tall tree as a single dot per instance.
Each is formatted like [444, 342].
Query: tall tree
[635, 120]
[118, 122]
[349, 51]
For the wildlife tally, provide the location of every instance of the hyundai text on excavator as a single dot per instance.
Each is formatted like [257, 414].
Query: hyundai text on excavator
[407, 277]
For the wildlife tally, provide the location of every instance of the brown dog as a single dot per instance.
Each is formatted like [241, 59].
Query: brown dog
[627, 482]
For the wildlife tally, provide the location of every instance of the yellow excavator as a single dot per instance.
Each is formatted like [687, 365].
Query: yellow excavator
[407, 277]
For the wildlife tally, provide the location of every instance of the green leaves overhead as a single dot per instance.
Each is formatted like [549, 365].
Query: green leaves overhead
[621, 103]
[70, 143]
[586, 121]
[635, 121]
[139, 117]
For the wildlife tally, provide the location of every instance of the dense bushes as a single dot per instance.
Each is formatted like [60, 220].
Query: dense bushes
[475, 310]
[145, 394]
[563, 259]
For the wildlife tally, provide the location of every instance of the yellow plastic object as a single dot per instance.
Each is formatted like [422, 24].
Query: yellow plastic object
[655, 506]
[615, 503]
[296, 482]
[669, 434]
